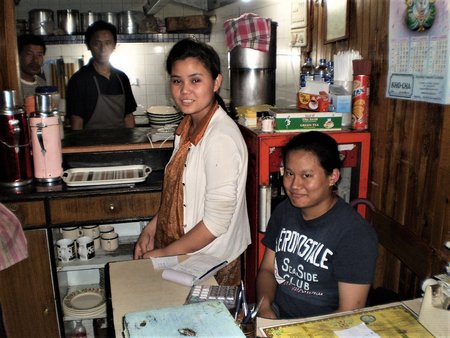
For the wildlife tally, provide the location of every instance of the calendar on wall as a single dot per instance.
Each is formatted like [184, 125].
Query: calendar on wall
[419, 32]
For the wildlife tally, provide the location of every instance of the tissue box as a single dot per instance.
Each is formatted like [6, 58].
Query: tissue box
[340, 100]
[291, 120]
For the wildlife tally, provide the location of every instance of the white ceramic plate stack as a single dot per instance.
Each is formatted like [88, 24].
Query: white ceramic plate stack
[159, 116]
[85, 303]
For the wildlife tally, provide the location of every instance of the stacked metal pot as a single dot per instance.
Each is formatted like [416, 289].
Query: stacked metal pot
[71, 21]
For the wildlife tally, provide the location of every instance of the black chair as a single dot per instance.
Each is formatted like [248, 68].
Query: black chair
[379, 295]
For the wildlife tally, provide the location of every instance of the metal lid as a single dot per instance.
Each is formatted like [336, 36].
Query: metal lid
[8, 99]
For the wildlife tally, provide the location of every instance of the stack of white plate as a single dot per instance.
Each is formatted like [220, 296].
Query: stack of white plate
[85, 303]
[159, 116]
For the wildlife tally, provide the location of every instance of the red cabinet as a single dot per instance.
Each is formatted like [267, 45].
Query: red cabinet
[265, 157]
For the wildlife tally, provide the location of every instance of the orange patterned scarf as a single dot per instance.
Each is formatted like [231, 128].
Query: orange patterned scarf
[169, 227]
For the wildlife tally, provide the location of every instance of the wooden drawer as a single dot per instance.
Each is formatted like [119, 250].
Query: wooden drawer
[104, 208]
[31, 214]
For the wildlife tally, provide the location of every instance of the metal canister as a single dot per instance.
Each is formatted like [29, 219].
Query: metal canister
[360, 102]
[15, 148]
[68, 20]
[87, 19]
[111, 17]
[41, 22]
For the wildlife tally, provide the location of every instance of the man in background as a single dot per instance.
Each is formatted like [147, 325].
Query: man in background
[31, 57]
[99, 96]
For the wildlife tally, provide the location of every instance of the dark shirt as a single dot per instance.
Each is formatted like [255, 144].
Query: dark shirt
[82, 92]
[313, 256]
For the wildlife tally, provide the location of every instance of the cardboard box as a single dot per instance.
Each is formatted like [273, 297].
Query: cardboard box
[313, 102]
[291, 120]
[188, 24]
[314, 96]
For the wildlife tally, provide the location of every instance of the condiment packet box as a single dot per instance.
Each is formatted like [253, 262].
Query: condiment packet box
[314, 96]
[291, 120]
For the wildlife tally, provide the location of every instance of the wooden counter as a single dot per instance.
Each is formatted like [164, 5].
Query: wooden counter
[346, 320]
[43, 207]
[99, 140]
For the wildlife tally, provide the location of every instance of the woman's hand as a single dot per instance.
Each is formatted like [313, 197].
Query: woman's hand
[146, 240]
[154, 253]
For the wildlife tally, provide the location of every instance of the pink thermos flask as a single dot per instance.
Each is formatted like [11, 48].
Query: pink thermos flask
[46, 140]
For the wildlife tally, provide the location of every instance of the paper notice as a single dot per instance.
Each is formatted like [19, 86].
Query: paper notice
[358, 331]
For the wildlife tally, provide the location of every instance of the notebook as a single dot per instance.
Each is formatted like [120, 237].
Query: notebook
[194, 270]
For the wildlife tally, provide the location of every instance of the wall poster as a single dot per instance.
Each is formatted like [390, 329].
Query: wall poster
[419, 33]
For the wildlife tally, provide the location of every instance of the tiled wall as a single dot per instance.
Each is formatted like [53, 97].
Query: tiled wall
[144, 62]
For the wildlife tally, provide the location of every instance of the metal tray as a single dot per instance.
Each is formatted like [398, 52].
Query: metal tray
[125, 174]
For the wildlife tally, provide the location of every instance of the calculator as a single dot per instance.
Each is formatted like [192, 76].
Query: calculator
[226, 293]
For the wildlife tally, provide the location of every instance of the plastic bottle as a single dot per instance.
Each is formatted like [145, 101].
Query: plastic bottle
[79, 331]
[330, 66]
[306, 72]
[321, 71]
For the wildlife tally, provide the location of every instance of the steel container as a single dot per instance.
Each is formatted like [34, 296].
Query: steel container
[69, 21]
[88, 19]
[41, 21]
[252, 74]
[111, 17]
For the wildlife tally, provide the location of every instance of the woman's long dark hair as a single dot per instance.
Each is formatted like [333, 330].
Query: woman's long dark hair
[203, 52]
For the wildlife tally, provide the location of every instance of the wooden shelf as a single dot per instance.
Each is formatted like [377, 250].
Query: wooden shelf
[126, 38]
[102, 257]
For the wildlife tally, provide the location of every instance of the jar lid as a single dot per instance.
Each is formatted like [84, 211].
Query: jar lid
[46, 90]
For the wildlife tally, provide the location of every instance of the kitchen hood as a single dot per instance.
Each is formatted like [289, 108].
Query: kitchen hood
[154, 6]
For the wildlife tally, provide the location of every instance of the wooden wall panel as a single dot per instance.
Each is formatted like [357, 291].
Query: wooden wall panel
[410, 155]
[9, 76]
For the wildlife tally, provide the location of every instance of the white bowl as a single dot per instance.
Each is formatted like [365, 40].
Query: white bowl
[161, 110]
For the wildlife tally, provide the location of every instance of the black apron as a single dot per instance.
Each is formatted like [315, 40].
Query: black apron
[109, 111]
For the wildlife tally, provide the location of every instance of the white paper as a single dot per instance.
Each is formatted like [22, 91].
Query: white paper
[194, 270]
[359, 331]
[161, 263]
[178, 277]
[197, 265]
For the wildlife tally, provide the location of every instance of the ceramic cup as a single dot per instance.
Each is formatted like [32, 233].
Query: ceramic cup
[91, 231]
[110, 241]
[66, 250]
[86, 248]
[97, 242]
[71, 232]
[104, 229]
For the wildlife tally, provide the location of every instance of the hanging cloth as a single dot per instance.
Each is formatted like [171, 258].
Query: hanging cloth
[13, 243]
[248, 31]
